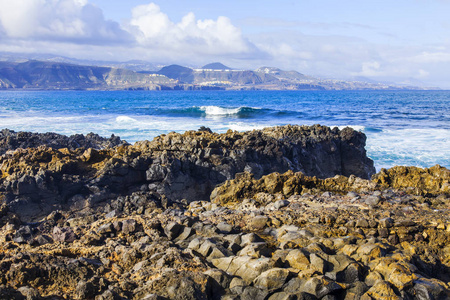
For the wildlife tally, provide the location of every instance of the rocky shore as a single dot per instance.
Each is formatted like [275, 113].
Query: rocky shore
[292, 212]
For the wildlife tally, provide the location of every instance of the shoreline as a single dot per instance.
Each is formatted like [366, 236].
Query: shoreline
[267, 214]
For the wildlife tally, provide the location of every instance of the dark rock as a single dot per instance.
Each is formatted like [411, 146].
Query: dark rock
[84, 290]
[427, 290]
[386, 223]
[356, 290]
[11, 140]
[320, 286]
[173, 229]
[65, 234]
[305, 296]
[23, 235]
[282, 296]
[252, 293]
[129, 226]
[41, 240]
[373, 200]
[29, 293]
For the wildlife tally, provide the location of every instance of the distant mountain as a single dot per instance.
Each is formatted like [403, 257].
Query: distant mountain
[51, 74]
[182, 74]
[134, 65]
[216, 66]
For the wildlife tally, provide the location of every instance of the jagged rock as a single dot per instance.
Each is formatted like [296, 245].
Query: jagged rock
[386, 223]
[318, 263]
[65, 234]
[381, 290]
[282, 296]
[298, 259]
[11, 140]
[320, 286]
[258, 222]
[272, 279]
[287, 184]
[173, 229]
[224, 227]
[252, 293]
[29, 293]
[88, 177]
[434, 180]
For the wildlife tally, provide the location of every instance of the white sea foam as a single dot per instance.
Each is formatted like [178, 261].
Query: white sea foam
[414, 147]
[354, 127]
[125, 119]
[240, 126]
[219, 111]
[388, 147]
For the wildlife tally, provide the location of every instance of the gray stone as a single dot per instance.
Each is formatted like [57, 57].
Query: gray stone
[427, 289]
[106, 228]
[327, 194]
[272, 279]
[362, 223]
[352, 195]
[156, 172]
[129, 226]
[224, 227]
[282, 296]
[373, 200]
[258, 222]
[65, 234]
[298, 259]
[253, 293]
[185, 234]
[280, 204]
[84, 290]
[222, 278]
[318, 263]
[173, 229]
[320, 286]
[250, 238]
[29, 293]
[255, 250]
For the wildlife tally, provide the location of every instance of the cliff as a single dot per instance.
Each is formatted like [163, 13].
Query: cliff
[175, 166]
[56, 76]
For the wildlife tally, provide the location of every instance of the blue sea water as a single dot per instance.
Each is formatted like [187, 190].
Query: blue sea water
[402, 127]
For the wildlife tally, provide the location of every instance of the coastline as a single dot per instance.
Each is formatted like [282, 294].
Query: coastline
[268, 214]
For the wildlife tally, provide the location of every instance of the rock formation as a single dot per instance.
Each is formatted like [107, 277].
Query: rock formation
[287, 219]
[174, 166]
[11, 140]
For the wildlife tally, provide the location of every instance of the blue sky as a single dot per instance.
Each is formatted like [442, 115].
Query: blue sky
[401, 41]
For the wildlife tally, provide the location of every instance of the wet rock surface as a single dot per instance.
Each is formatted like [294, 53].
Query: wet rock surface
[102, 224]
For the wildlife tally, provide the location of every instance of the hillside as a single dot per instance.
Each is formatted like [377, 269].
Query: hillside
[52, 75]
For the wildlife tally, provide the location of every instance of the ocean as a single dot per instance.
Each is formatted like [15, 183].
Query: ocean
[410, 128]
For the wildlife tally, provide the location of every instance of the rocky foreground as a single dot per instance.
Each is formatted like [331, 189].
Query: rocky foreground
[291, 212]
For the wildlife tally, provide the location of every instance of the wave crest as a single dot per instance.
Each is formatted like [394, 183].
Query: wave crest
[215, 111]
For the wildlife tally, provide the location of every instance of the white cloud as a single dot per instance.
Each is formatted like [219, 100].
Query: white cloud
[154, 30]
[149, 33]
[74, 21]
[432, 57]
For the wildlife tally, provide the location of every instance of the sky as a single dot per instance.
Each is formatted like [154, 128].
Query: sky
[395, 41]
